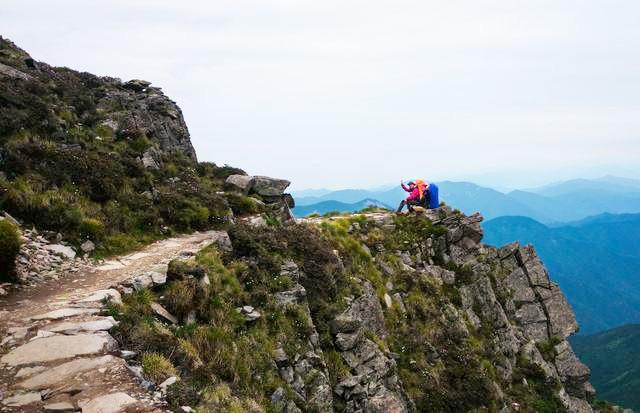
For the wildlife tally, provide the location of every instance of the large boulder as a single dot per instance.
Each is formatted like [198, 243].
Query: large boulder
[265, 186]
[242, 183]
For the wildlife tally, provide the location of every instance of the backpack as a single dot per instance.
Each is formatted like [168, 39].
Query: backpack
[434, 201]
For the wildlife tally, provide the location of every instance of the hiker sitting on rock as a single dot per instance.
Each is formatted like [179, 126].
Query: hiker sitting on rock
[417, 195]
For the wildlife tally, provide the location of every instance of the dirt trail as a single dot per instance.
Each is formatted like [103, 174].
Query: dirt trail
[56, 353]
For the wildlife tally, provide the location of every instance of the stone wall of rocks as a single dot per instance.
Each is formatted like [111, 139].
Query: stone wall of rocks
[42, 256]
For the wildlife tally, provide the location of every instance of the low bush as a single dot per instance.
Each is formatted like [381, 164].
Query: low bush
[9, 249]
[157, 367]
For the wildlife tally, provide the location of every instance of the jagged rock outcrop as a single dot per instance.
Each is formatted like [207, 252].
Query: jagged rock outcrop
[373, 384]
[505, 290]
[270, 192]
[134, 108]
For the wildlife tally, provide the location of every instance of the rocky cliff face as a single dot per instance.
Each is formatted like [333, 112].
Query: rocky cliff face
[366, 313]
[54, 99]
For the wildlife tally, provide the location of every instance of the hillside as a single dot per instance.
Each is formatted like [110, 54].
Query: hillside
[95, 158]
[596, 262]
[615, 363]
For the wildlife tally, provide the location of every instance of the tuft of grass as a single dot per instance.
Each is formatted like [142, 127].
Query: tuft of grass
[157, 367]
[9, 249]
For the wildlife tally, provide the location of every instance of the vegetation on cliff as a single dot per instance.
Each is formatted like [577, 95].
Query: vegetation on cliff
[305, 282]
[98, 159]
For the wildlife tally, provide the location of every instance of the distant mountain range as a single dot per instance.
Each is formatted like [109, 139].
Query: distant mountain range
[614, 359]
[596, 261]
[336, 206]
[553, 204]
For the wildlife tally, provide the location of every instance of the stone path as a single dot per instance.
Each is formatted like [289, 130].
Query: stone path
[56, 353]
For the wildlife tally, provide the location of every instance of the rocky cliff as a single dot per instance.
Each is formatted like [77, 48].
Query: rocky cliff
[56, 101]
[361, 313]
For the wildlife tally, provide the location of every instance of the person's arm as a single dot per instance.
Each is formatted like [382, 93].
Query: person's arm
[404, 187]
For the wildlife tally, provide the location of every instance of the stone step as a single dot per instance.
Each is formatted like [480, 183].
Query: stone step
[59, 347]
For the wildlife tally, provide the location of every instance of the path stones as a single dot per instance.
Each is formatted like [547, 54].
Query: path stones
[64, 313]
[30, 371]
[59, 347]
[66, 371]
[111, 265]
[74, 327]
[22, 399]
[59, 407]
[110, 403]
[100, 295]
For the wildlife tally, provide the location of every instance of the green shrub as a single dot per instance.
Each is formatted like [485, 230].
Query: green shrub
[157, 367]
[92, 229]
[141, 143]
[9, 249]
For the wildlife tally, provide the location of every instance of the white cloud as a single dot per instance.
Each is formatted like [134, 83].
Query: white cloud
[343, 93]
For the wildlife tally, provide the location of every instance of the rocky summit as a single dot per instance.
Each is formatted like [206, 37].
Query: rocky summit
[252, 310]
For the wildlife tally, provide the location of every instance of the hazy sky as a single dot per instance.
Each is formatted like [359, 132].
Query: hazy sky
[357, 93]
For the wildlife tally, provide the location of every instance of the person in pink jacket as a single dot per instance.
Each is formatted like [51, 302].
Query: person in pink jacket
[414, 198]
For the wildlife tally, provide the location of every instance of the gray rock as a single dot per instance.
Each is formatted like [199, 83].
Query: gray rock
[64, 313]
[347, 341]
[293, 296]
[265, 186]
[386, 402]
[518, 282]
[162, 312]
[59, 407]
[110, 403]
[158, 278]
[533, 267]
[10, 72]
[573, 373]
[368, 310]
[253, 316]
[61, 250]
[142, 281]
[21, 399]
[243, 183]
[103, 295]
[561, 317]
[148, 160]
[73, 327]
[59, 347]
[278, 396]
[532, 318]
[222, 240]
[168, 382]
[88, 246]
[345, 323]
